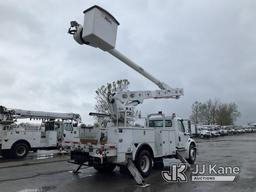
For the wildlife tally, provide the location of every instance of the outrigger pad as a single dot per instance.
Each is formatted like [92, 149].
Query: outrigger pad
[136, 174]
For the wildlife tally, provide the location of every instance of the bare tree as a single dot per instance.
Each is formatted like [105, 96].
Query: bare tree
[103, 94]
[214, 112]
[195, 112]
[227, 114]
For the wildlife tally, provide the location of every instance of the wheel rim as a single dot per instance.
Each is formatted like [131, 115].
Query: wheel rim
[193, 154]
[144, 163]
[21, 151]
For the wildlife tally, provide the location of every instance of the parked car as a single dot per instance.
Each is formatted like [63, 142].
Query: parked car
[204, 133]
[215, 133]
[223, 132]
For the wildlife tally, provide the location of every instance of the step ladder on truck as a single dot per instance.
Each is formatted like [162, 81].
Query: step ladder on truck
[17, 139]
[121, 143]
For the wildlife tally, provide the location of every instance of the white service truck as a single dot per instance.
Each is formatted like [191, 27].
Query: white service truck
[121, 142]
[17, 139]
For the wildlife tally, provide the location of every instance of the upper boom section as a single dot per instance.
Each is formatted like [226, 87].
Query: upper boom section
[12, 114]
[139, 69]
[99, 30]
[137, 97]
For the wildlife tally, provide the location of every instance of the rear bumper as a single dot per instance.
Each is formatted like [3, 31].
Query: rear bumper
[81, 157]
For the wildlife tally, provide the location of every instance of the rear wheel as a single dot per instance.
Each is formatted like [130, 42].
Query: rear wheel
[20, 150]
[105, 168]
[143, 163]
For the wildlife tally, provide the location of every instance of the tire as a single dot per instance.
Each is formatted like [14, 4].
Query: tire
[105, 168]
[192, 154]
[143, 162]
[20, 150]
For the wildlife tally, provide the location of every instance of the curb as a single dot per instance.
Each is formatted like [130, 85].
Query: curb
[5, 165]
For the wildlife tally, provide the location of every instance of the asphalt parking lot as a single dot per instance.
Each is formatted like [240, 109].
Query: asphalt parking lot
[54, 174]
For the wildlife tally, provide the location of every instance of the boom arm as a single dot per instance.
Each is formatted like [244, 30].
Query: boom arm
[137, 68]
[45, 115]
[126, 101]
[12, 114]
[139, 96]
[77, 31]
[99, 31]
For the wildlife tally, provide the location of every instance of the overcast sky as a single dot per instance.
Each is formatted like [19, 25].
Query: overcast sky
[205, 47]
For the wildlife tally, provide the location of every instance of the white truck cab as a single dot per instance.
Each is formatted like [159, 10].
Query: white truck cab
[70, 135]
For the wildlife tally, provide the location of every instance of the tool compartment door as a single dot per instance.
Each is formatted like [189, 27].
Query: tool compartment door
[164, 142]
[51, 137]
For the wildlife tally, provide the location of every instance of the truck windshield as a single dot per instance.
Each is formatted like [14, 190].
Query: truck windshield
[181, 126]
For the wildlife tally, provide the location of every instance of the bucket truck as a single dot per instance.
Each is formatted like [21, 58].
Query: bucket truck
[17, 139]
[121, 142]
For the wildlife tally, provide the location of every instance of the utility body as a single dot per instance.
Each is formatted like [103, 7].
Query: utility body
[162, 137]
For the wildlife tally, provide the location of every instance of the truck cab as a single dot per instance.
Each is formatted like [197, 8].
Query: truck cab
[170, 132]
[70, 135]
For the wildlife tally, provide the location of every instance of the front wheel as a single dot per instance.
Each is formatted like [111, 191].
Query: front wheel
[143, 163]
[192, 154]
[20, 150]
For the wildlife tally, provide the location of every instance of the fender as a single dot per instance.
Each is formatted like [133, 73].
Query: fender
[21, 141]
[141, 146]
